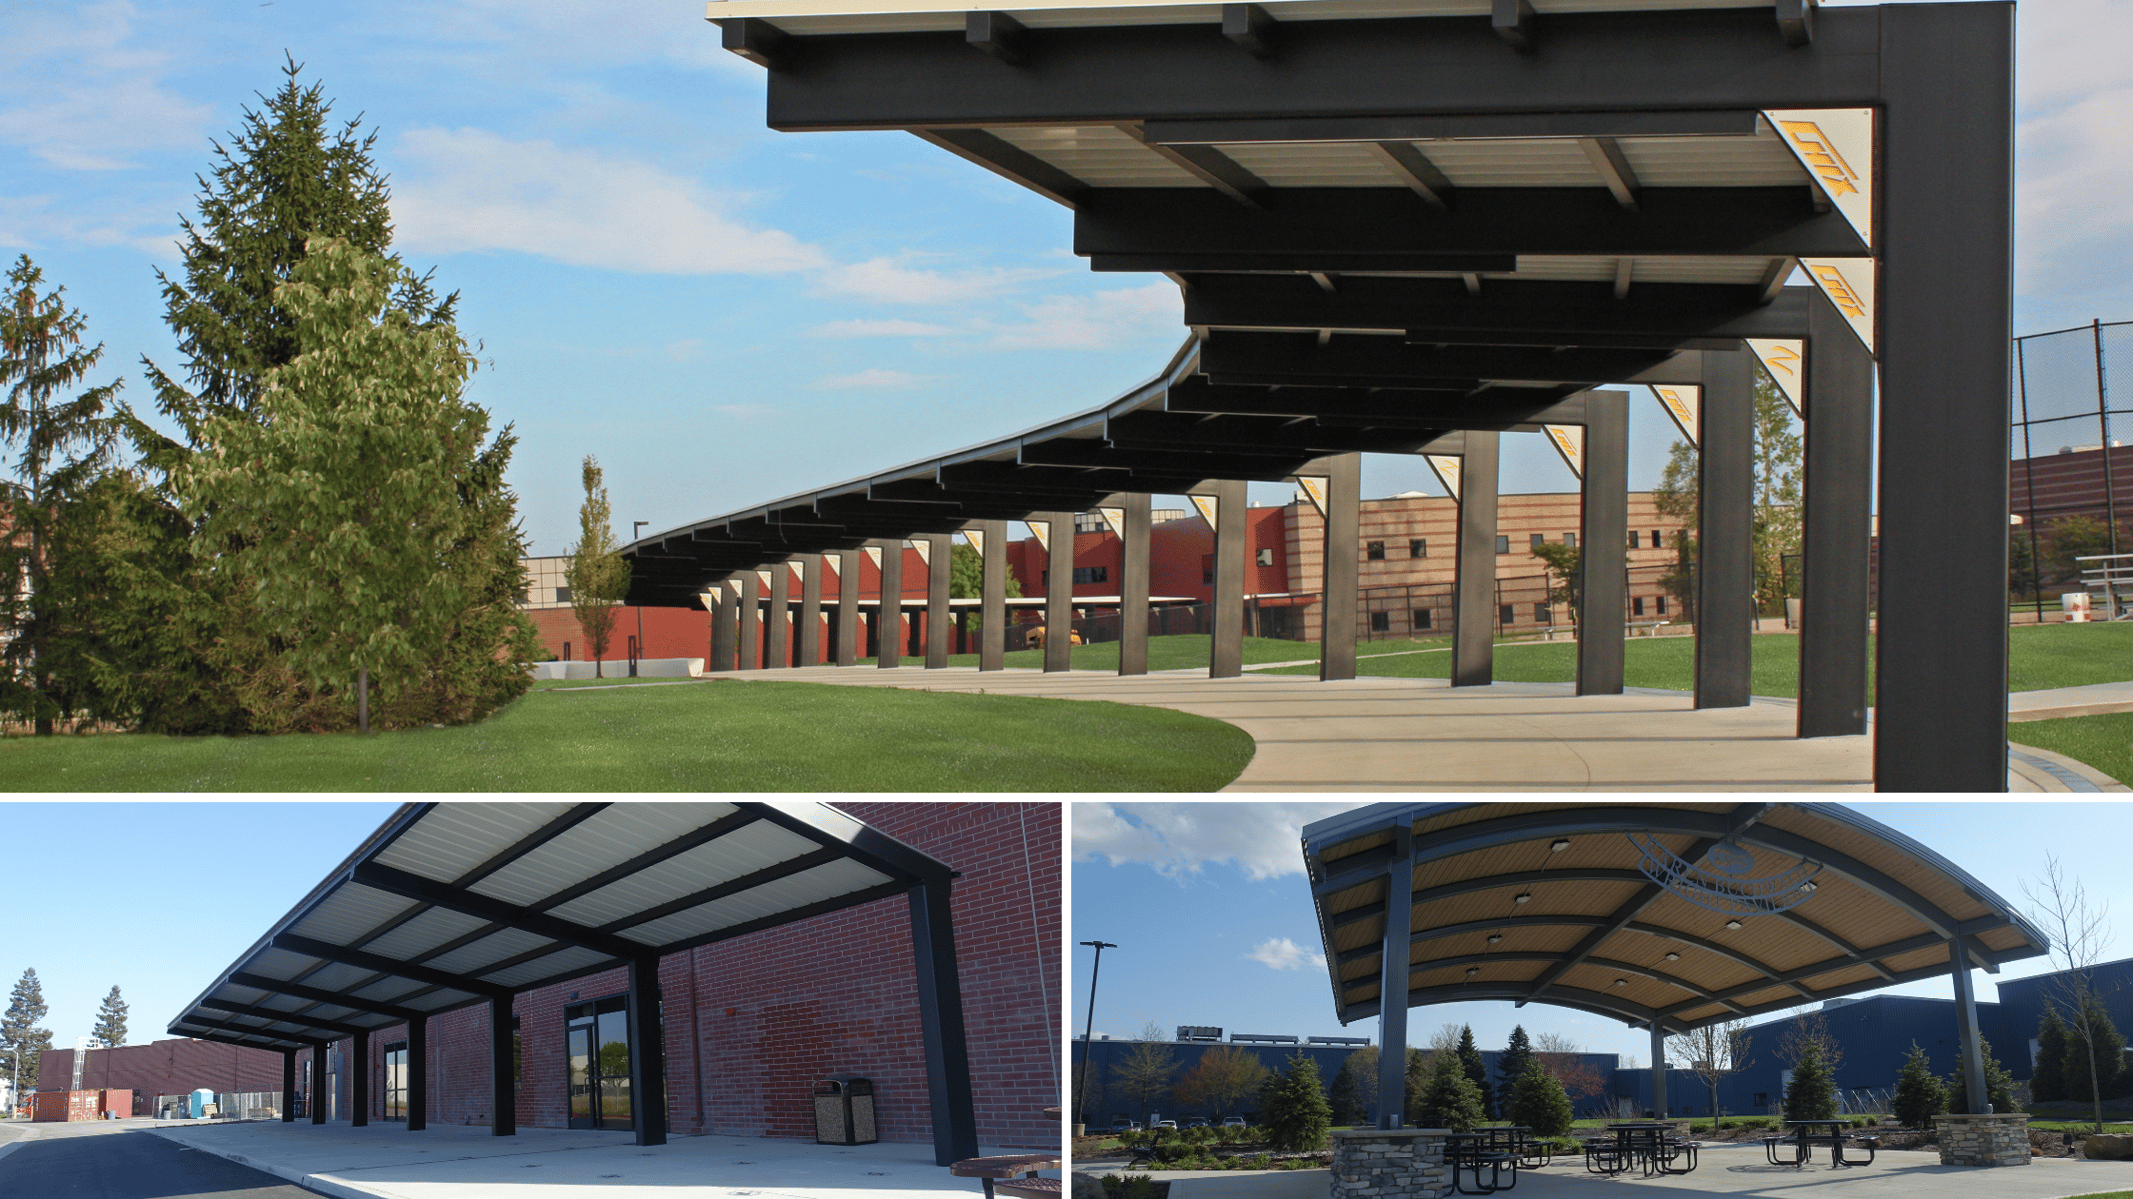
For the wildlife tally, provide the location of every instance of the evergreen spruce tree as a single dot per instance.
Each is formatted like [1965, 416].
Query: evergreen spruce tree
[1919, 1095]
[2097, 1077]
[1812, 1094]
[1477, 1070]
[1449, 1099]
[1346, 1100]
[2047, 1083]
[1296, 1116]
[1538, 1100]
[1415, 1082]
[1511, 1064]
[21, 1041]
[111, 1020]
[1999, 1083]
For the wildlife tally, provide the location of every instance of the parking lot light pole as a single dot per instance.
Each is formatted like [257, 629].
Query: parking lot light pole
[634, 526]
[1081, 1093]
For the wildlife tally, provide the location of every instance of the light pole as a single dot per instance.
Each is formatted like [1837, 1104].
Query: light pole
[634, 526]
[1081, 1093]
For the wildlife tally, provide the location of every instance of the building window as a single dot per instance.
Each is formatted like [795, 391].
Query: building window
[1381, 622]
[1570, 539]
[1636, 605]
[1633, 539]
[1536, 540]
[562, 595]
[1266, 557]
[1507, 614]
[1540, 614]
[1655, 539]
[1374, 550]
[1092, 574]
[1421, 618]
[597, 1052]
[1418, 548]
[566, 651]
[1662, 605]
[1503, 544]
[1762, 1099]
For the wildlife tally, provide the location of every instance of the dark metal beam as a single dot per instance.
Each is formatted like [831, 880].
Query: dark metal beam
[1512, 306]
[1412, 127]
[1229, 355]
[998, 35]
[386, 965]
[1614, 170]
[1010, 162]
[1251, 28]
[1210, 166]
[496, 911]
[246, 1009]
[940, 1013]
[1513, 21]
[1412, 167]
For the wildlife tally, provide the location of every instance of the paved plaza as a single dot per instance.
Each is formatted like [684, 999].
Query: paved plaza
[1397, 734]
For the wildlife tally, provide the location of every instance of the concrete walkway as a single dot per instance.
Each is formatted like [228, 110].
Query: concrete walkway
[1731, 1170]
[1398, 734]
[385, 1161]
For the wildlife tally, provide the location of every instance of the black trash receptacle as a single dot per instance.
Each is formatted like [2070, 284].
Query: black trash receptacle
[844, 1111]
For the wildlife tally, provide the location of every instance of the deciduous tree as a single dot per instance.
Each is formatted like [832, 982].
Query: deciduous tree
[2080, 935]
[1564, 1060]
[1716, 1051]
[1224, 1077]
[1146, 1071]
[597, 576]
[1777, 462]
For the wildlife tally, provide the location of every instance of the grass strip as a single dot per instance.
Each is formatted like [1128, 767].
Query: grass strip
[2105, 742]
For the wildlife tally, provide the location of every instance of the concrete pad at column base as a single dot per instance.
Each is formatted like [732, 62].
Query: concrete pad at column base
[385, 1161]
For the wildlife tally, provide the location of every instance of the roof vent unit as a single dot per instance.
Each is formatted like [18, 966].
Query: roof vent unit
[1356, 1041]
[1262, 1038]
[1198, 1032]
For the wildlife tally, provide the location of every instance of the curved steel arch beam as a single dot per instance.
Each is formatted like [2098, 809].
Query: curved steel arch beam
[1579, 998]
[1703, 994]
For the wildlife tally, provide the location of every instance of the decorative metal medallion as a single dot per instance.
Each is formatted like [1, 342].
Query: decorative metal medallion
[1720, 883]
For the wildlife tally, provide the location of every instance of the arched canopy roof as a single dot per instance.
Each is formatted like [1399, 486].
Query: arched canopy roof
[1595, 933]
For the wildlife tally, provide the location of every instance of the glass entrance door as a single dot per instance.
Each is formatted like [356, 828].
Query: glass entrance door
[597, 1040]
[396, 1081]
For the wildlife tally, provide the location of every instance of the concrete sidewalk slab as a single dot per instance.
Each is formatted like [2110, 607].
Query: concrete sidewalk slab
[384, 1161]
[2094, 699]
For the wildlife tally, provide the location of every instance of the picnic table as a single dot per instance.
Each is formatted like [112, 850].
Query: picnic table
[1646, 1143]
[1013, 1174]
[1470, 1152]
[1803, 1146]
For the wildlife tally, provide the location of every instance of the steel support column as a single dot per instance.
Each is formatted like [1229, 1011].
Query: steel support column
[940, 1018]
[1232, 544]
[1837, 533]
[725, 629]
[811, 610]
[1474, 591]
[1966, 1031]
[940, 551]
[889, 625]
[1133, 542]
[648, 1054]
[288, 1086]
[848, 606]
[1342, 571]
[1946, 320]
[1659, 1072]
[777, 651]
[1058, 590]
[418, 1074]
[1603, 530]
[503, 1080]
[1392, 987]
[1725, 534]
[359, 1080]
[992, 609]
[748, 634]
[318, 1082]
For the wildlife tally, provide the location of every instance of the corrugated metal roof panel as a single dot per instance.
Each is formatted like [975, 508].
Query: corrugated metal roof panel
[741, 852]
[280, 963]
[494, 948]
[808, 886]
[1313, 164]
[350, 912]
[1526, 162]
[337, 975]
[555, 963]
[1098, 155]
[424, 933]
[452, 839]
[1759, 161]
[616, 834]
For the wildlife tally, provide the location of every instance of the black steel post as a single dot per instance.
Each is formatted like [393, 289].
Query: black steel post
[1474, 586]
[889, 624]
[1725, 534]
[1133, 543]
[848, 606]
[359, 1080]
[1659, 1072]
[811, 610]
[1603, 528]
[503, 1074]
[1081, 1093]
[318, 1082]
[288, 1086]
[1232, 544]
[748, 636]
[1342, 575]
[1837, 532]
[940, 1017]
[418, 1074]
[1966, 1030]
[2103, 438]
[1058, 590]
[992, 607]
[1392, 985]
[940, 550]
[1946, 317]
[648, 1053]
[777, 650]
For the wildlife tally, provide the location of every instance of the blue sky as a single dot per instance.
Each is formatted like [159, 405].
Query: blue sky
[1211, 913]
[156, 898]
[723, 314]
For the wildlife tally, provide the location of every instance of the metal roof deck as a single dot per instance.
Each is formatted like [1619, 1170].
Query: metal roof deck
[450, 904]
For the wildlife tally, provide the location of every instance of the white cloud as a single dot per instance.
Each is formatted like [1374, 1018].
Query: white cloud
[1177, 839]
[872, 377]
[878, 328]
[891, 281]
[474, 190]
[75, 93]
[1280, 953]
[1096, 321]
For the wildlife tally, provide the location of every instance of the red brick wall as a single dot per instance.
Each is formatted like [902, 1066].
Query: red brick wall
[752, 1022]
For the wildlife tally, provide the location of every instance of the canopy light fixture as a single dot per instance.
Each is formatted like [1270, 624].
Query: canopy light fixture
[1807, 888]
[1673, 957]
[1495, 937]
[1621, 982]
[1559, 845]
[1523, 896]
[1719, 881]
[1732, 924]
[1471, 971]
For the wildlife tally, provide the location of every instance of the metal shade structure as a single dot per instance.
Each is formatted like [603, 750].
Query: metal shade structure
[451, 905]
[1552, 903]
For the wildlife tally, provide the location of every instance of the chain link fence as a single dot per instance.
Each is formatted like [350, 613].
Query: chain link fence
[2072, 479]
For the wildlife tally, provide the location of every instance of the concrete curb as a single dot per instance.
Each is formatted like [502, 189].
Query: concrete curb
[323, 1184]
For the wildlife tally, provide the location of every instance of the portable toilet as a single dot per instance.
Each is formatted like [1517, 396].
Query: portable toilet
[196, 1103]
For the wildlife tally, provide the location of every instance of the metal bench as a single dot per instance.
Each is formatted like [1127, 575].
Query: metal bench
[999, 1174]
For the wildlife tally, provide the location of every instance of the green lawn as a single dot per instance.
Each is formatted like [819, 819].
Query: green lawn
[1179, 651]
[711, 736]
[2105, 742]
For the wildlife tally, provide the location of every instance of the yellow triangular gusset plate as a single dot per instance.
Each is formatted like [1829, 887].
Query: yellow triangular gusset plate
[830, 563]
[1569, 441]
[1786, 364]
[763, 577]
[1447, 468]
[976, 538]
[924, 546]
[1850, 285]
[1206, 505]
[1836, 145]
[874, 552]
[1314, 486]
[1042, 531]
[1116, 518]
[1683, 402]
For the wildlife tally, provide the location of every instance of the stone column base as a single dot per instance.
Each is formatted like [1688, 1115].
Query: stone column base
[1998, 1139]
[1402, 1163]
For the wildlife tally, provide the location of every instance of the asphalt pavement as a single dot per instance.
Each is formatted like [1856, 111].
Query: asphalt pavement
[121, 1159]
